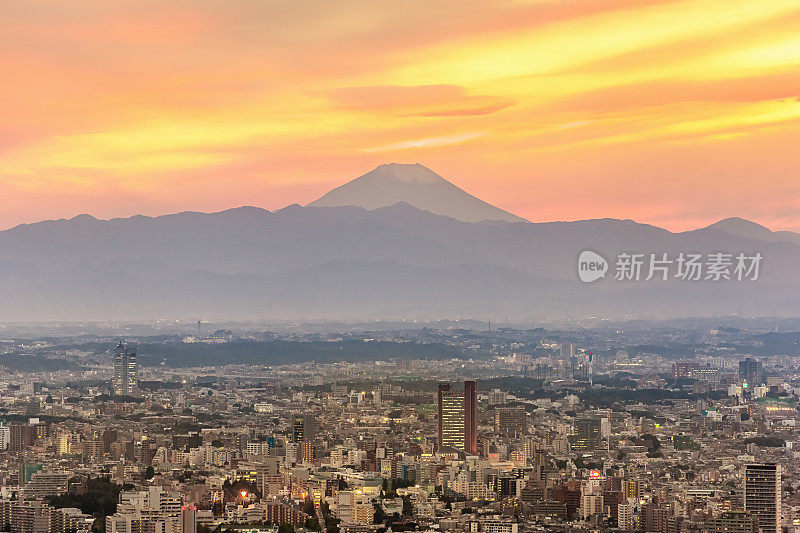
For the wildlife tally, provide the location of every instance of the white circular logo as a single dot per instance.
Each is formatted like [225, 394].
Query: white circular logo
[591, 266]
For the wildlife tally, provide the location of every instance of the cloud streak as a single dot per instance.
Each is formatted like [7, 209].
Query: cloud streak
[430, 142]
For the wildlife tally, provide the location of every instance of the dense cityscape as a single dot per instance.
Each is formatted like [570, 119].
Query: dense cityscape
[430, 266]
[653, 428]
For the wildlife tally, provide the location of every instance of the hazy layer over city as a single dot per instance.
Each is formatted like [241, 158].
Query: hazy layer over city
[400, 242]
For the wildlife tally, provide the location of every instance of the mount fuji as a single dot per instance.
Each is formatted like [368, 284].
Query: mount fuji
[414, 185]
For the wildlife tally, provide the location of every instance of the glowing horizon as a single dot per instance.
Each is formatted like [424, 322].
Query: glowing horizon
[667, 112]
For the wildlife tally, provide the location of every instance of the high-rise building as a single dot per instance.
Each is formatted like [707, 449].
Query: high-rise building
[451, 418]
[587, 435]
[706, 374]
[751, 371]
[64, 444]
[510, 421]
[458, 417]
[567, 350]
[306, 451]
[591, 503]
[625, 516]
[442, 389]
[655, 517]
[567, 358]
[762, 495]
[304, 427]
[22, 436]
[471, 417]
[125, 371]
[298, 428]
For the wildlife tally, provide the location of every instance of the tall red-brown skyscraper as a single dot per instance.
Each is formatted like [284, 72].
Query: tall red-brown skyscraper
[458, 417]
[471, 417]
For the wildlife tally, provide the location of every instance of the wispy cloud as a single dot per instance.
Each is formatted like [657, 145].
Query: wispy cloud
[428, 142]
[417, 100]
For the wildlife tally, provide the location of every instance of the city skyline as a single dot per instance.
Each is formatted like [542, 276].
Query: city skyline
[663, 441]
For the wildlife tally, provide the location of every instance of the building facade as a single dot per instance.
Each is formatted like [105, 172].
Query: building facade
[125, 371]
[762, 495]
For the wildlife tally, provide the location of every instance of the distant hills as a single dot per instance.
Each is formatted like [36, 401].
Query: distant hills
[429, 255]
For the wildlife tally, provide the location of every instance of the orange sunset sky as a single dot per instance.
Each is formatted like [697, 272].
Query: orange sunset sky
[675, 113]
